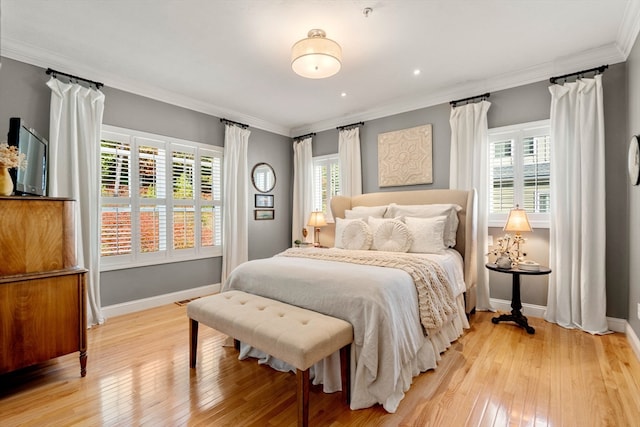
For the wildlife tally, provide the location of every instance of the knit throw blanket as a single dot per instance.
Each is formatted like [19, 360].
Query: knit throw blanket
[435, 299]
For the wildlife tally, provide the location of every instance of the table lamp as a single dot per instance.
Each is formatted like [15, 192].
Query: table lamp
[316, 220]
[516, 223]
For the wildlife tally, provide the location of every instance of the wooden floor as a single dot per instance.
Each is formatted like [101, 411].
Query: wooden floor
[495, 375]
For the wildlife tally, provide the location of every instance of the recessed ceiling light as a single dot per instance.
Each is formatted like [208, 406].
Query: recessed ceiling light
[343, 94]
[416, 72]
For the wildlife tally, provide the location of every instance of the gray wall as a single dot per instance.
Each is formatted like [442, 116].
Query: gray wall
[633, 220]
[23, 93]
[512, 106]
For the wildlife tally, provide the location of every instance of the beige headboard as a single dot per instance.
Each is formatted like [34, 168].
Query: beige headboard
[467, 230]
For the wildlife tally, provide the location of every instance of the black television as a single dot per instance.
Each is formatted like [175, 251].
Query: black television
[32, 180]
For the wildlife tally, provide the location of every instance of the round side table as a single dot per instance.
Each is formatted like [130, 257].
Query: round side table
[516, 305]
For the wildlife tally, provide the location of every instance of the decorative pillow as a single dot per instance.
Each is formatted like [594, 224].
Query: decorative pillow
[393, 236]
[374, 223]
[430, 211]
[365, 212]
[357, 236]
[340, 226]
[427, 234]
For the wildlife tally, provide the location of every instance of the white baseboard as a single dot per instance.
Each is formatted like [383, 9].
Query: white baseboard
[527, 309]
[614, 324]
[151, 302]
[633, 340]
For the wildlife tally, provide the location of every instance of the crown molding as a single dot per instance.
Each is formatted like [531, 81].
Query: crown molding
[608, 54]
[42, 58]
[629, 28]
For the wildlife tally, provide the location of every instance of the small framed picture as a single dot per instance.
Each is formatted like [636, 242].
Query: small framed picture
[261, 214]
[264, 201]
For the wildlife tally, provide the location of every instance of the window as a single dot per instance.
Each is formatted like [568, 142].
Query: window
[326, 183]
[519, 172]
[161, 199]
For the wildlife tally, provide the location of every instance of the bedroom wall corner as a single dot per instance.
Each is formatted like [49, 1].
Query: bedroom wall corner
[633, 211]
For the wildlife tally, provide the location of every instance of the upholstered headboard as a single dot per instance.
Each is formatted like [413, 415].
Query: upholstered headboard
[467, 230]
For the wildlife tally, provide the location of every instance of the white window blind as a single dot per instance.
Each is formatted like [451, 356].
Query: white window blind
[326, 183]
[174, 213]
[519, 172]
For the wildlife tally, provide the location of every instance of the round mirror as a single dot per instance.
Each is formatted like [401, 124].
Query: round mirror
[263, 177]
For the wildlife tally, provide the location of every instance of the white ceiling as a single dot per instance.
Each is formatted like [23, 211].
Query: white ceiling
[231, 58]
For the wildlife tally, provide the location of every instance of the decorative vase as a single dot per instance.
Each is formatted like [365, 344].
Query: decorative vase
[504, 262]
[6, 184]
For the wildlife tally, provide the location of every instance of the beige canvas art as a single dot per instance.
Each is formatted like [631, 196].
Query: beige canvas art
[405, 157]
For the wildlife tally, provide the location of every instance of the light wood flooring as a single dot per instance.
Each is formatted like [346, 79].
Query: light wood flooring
[495, 375]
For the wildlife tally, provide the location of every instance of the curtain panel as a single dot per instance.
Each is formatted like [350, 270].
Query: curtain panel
[577, 284]
[74, 171]
[350, 162]
[469, 165]
[235, 207]
[302, 189]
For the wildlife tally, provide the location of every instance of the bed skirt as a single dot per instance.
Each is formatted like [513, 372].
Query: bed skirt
[327, 371]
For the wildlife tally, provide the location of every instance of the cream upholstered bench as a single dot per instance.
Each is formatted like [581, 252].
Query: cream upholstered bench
[295, 335]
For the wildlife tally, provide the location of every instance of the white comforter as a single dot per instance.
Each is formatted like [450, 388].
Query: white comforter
[390, 346]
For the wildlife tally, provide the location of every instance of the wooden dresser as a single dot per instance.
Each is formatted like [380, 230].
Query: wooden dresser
[42, 290]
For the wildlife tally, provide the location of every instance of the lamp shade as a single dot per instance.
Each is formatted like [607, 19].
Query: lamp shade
[517, 221]
[316, 219]
[316, 57]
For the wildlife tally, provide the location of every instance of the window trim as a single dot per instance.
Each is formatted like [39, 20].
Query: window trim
[170, 255]
[537, 220]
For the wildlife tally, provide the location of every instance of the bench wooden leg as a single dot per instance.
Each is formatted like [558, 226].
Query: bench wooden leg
[193, 342]
[302, 378]
[345, 372]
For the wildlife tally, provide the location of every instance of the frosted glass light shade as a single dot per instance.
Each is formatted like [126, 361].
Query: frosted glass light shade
[316, 57]
[517, 221]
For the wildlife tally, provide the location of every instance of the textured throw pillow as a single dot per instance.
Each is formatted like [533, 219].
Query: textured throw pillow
[427, 234]
[357, 236]
[365, 212]
[340, 226]
[429, 211]
[393, 236]
[374, 223]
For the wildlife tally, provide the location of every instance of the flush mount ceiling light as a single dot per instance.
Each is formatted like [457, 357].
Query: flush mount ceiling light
[316, 57]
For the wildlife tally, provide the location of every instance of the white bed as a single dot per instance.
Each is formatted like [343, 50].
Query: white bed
[391, 344]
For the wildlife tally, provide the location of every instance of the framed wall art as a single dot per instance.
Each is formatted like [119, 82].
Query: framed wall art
[405, 157]
[263, 214]
[264, 200]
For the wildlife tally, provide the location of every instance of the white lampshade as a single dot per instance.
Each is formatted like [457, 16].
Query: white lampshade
[316, 57]
[316, 219]
[517, 221]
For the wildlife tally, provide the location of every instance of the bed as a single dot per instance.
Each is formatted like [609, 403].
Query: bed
[403, 317]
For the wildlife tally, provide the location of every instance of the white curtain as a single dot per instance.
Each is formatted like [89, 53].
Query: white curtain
[74, 172]
[302, 189]
[235, 207]
[577, 296]
[469, 170]
[350, 163]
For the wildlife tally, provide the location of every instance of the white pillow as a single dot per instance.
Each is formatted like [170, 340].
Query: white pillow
[340, 226]
[357, 236]
[365, 212]
[374, 223]
[429, 211]
[427, 234]
[393, 236]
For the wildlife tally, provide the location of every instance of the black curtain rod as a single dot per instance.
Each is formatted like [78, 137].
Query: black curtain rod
[56, 73]
[483, 97]
[352, 125]
[298, 138]
[231, 122]
[597, 70]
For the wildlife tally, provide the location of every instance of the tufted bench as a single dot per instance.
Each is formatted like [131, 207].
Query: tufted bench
[295, 335]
